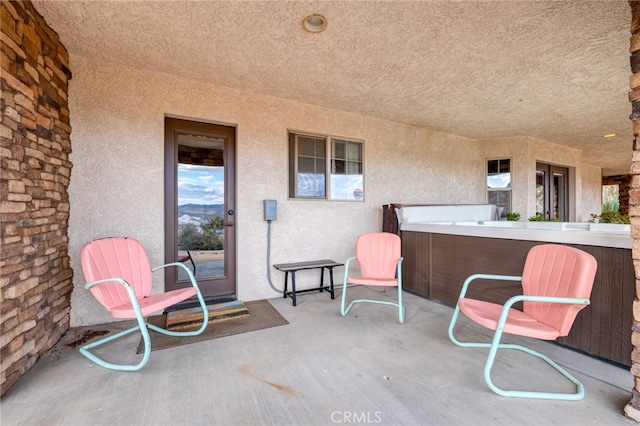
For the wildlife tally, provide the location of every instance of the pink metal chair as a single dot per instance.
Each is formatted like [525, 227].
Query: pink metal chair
[556, 284]
[119, 276]
[380, 260]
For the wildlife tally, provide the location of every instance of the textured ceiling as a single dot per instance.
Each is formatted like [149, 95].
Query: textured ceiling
[554, 70]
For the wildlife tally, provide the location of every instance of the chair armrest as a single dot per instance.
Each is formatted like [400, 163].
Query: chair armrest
[130, 292]
[346, 268]
[120, 281]
[471, 278]
[546, 299]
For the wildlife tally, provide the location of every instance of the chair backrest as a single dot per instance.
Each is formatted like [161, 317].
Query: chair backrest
[560, 271]
[378, 254]
[116, 257]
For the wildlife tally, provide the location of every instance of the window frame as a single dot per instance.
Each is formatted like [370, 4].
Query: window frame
[508, 190]
[330, 159]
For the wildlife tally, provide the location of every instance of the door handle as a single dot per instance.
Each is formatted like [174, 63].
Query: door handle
[230, 212]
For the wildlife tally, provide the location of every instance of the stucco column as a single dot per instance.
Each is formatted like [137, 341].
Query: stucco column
[632, 409]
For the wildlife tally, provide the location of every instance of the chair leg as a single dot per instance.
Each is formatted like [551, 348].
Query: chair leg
[144, 330]
[400, 305]
[493, 349]
[344, 311]
[495, 345]
[84, 350]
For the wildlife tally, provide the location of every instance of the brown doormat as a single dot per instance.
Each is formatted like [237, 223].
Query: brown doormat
[261, 315]
[191, 319]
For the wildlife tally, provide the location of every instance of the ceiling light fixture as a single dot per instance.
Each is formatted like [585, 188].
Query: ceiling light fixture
[314, 23]
[610, 135]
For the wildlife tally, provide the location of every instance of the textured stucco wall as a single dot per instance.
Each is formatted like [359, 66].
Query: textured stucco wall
[589, 192]
[117, 185]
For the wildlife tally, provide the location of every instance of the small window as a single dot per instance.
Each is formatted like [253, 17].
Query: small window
[322, 167]
[499, 185]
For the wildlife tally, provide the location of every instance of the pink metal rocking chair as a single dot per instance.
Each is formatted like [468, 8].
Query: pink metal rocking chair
[379, 256]
[556, 284]
[119, 276]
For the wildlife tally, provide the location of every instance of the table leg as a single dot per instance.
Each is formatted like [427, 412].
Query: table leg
[321, 279]
[331, 281]
[293, 287]
[286, 275]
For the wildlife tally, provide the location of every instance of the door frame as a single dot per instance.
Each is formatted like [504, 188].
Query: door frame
[564, 204]
[172, 126]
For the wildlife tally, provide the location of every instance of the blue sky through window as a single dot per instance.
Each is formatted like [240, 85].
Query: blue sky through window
[200, 184]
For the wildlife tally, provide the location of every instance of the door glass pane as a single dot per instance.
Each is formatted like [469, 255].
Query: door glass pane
[201, 206]
[540, 192]
[559, 194]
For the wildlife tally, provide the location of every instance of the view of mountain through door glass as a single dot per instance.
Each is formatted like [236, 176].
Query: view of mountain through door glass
[200, 187]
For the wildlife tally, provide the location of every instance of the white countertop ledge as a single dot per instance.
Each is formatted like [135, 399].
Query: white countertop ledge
[551, 232]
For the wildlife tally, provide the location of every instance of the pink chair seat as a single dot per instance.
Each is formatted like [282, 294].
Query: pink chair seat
[154, 303]
[518, 322]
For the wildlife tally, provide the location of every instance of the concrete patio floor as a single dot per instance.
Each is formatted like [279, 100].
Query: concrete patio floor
[320, 369]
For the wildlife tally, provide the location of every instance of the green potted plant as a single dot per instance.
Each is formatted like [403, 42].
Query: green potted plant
[540, 218]
[610, 217]
[514, 216]
[539, 221]
[610, 221]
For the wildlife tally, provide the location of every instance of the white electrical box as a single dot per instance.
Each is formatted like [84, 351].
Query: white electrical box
[270, 209]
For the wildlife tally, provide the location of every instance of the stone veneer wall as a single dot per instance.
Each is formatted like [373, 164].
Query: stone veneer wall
[632, 409]
[624, 183]
[35, 276]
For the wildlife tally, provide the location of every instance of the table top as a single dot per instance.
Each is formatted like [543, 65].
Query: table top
[326, 263]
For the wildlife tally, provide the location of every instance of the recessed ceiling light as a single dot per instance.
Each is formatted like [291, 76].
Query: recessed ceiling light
[314, 23]
[610, 135]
